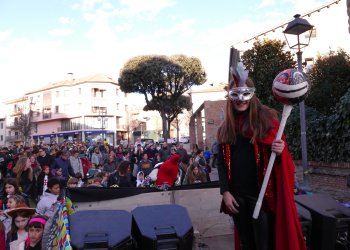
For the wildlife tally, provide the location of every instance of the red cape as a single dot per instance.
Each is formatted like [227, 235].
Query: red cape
[288, 233]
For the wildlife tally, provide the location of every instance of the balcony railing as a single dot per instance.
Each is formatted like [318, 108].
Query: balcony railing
[13, 138]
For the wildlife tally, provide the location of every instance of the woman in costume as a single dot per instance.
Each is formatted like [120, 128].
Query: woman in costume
[246, 138]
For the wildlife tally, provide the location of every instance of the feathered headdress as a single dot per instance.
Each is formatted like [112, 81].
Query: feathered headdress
[239, 75]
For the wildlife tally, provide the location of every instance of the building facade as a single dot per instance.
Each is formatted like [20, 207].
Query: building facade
[208, 113]
[2, 131]
[14, 109]
[86, 109]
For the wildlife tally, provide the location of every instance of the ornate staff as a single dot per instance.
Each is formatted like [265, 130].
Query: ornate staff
[289, 87]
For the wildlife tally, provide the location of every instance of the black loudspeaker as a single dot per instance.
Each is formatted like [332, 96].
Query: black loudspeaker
[101, 229]
[305, 223]
[162, 227]
[330, 222]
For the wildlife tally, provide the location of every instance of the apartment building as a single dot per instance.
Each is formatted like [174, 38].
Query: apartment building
[2, 131]
[85, 109]
[13, 110]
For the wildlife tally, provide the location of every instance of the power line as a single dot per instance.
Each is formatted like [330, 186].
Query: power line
[285, 23]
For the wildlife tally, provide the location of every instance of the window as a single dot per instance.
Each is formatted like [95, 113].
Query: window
[117, 106]
[57, 109]
[1, 138]
[79, 107]
[79, 91]
[95, 109]
[117, 92]
[57, 94]
[66, 107]
[1, 125]
[47, 112]
[96, 92]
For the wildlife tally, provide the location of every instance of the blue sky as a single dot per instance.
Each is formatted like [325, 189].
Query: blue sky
[42, 41]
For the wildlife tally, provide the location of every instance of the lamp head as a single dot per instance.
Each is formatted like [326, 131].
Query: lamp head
[298, 26]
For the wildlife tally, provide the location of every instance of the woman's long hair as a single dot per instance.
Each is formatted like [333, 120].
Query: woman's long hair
[192, 177]
[124, 167]
[19, 169]
[259, 122]
[13, 182]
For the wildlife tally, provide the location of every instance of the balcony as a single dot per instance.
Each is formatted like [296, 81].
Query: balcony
[14, 138]
[11, 126]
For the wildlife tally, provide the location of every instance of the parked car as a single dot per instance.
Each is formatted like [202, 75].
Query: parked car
[184, 139]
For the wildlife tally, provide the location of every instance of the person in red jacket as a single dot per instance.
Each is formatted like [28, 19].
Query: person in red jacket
[167, 173]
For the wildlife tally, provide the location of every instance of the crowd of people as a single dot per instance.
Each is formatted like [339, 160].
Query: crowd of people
[32, 178]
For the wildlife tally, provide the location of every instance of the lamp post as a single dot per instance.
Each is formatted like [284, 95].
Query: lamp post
[101, 116]
[294, 28]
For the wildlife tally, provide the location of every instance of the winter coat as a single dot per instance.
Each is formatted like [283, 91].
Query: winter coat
[76, 165]
[46, 205]
[167, 173]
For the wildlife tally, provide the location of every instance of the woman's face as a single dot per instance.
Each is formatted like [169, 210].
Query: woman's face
[21, 222]
[241, 105]
[195, 170]
[28, 163]
[9, 189]
[32, 159]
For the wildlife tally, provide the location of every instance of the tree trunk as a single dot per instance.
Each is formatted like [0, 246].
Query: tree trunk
[164, 126]
[177, 129]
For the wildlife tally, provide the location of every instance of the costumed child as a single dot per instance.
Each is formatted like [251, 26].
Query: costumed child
[36, 227]
[43, 178]
[20, 217]
[46, 205]
[140, 178]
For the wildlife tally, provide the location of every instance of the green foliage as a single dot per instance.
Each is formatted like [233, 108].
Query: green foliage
[264, 61]
[162, 81]
[329, 79]
[327, 112]
[328, 137]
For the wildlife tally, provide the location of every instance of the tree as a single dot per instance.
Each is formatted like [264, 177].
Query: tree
[330, 79]
[24, 123]
[264, 61]
[162, 81]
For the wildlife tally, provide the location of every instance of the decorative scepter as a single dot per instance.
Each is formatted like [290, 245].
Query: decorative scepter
[289, 87]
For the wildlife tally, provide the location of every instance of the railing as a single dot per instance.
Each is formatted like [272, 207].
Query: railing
[12, 138]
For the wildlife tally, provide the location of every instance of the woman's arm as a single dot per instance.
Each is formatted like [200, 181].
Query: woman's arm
[222, 171]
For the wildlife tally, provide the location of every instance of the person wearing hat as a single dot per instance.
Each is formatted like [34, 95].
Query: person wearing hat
[18, 234]
[167, 173]
[246, 139]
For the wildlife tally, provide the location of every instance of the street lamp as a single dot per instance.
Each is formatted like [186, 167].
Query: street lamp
[294, 28]
[102, 117]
